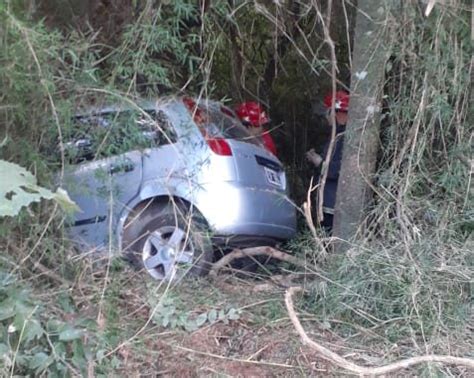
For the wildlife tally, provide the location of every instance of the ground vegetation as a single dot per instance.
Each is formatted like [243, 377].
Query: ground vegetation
[402, 288]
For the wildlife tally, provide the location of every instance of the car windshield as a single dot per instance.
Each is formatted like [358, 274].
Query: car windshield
[220, 122]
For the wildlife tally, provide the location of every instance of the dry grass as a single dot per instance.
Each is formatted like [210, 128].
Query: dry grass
[403, 289]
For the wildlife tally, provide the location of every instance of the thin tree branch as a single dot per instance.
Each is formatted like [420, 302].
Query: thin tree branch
[362, 370]
[257, 251]
[332, 115]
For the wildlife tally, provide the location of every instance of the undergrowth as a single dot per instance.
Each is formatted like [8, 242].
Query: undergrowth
[406, 284]
[408, 280]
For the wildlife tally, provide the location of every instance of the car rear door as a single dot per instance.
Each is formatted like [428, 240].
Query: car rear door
[101, 188]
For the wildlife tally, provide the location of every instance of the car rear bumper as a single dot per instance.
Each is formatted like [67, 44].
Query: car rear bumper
[233, 210]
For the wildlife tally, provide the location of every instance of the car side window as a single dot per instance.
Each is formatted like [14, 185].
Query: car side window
[108, 134]
[156, 126]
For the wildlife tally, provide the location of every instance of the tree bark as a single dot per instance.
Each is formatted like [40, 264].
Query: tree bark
[361, 141]
[236, 61]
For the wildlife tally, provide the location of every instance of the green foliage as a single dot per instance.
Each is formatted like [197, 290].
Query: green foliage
[406, 283]
[171, 312]
[408, 291]
[33, 341]
[33, 107]
[21, 189]
[407, 277]
[165, 49]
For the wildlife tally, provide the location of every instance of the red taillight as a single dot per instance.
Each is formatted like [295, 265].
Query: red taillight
[219, 146]
[190, 103]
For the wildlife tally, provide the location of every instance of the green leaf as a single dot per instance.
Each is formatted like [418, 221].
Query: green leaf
[190, 326]
[67, 204]
[165, 321]
[173, 323]
[4, 350]
[100, 354]
[18, 188]
[70, 334]
[233, 314]
[60, 349]
[201, 319]
[212, 316]
[40, 361]
[78, 355]
[221, 315]
[7, 310]
[33, 330]
[54, 325]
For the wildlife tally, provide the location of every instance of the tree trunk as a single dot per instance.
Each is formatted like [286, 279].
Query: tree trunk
[362, 133]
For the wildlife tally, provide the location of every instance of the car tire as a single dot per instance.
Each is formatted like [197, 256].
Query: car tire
[169, 240]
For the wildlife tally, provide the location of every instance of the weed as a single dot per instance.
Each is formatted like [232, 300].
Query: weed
[405, 286]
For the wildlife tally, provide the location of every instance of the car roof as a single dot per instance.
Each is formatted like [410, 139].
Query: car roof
[144, 104]
[124, 106]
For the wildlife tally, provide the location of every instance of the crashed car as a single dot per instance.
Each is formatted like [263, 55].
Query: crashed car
[193, 179]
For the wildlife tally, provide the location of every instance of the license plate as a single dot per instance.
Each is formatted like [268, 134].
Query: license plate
[273, 177]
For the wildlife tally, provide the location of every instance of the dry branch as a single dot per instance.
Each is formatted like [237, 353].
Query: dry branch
[362, 370]
[257, 251]
[40, 267]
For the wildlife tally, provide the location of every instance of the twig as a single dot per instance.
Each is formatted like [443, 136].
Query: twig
[279, 281]
[267, 251]
[362, 370]
[39, 266]
[309, 217]
[332, 114]
[20, 339]
[213, 355]
[68, 365]
[307, 210]
[272, 252]
[51, 274]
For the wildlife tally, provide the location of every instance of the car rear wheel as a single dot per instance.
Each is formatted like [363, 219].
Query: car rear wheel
[169, 241]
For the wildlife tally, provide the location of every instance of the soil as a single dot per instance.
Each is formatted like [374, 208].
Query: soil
[260, 343]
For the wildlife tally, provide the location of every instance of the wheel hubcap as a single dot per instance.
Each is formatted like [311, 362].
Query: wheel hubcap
[165, 250]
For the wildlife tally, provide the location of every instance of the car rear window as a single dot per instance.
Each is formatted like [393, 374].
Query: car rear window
[219, 122]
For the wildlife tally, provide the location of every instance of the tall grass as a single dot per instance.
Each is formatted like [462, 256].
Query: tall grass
[408, 281]
[405, 286]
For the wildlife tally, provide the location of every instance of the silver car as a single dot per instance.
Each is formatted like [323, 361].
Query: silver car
[166, 181]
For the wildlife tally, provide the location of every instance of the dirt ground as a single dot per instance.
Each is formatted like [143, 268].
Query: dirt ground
[260, 343]
[238, 350]
[259, 340]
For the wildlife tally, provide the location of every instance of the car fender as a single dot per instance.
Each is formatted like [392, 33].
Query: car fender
[157, 188]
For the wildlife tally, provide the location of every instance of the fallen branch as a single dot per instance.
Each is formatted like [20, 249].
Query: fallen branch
[44, 270]
[257, 251]
[362, 370]
[309, 218]
[280, 281]
[49, 273]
